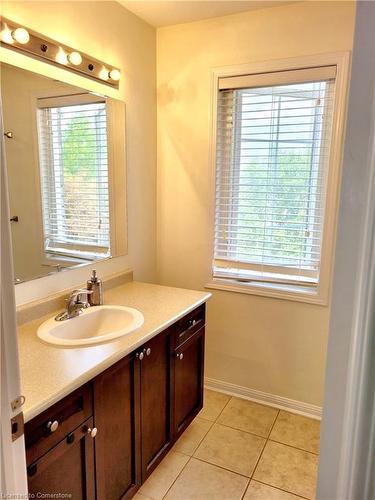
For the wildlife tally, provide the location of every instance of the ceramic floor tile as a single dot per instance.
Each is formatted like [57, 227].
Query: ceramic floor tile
[202, 481]
[163, 476]
[139, 496]
[230, 448]
[190, 439]
[298, 431]
[288, 468]
[248, 416]
[259, 491]
[213, 404]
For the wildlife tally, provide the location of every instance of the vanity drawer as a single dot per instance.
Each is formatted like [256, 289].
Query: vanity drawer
[51, 426]
[189, 324]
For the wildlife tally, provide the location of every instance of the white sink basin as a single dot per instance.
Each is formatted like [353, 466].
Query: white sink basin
[94, 325]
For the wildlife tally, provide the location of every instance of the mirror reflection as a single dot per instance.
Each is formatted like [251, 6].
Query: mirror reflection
[64, 148]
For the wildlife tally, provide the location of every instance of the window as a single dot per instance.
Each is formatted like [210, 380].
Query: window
[273, 150]
[74, 176]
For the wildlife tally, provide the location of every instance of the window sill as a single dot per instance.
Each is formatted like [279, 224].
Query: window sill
[284, 292]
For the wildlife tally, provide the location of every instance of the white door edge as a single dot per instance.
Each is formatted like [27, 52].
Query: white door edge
[347, 459]
[13, 480]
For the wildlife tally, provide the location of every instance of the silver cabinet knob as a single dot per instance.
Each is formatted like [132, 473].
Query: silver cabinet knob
[148, 351]
[52, 426]
[180, 356]
[93, 432]
[140, 355]
[193, 322]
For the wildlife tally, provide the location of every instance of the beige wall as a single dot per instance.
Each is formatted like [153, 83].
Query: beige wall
[271, 345]
[110, 33]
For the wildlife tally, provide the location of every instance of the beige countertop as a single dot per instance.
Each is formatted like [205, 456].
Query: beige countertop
[48, 373]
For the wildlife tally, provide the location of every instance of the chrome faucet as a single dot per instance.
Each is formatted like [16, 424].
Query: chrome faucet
[75, 304]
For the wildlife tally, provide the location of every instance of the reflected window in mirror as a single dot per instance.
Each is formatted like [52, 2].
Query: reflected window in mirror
[73, 159]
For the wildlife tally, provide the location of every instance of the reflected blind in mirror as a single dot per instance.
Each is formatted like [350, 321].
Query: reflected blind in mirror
[74, 176]
[272, 160]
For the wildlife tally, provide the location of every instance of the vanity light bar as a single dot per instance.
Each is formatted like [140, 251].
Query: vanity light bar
[21, 39]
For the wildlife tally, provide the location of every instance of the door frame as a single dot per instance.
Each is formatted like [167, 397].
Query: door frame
[348, 426]
[13, 478]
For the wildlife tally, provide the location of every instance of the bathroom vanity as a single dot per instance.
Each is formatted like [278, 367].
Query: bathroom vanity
[104, 438]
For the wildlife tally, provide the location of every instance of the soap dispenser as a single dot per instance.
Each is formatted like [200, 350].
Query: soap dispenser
[95, 284]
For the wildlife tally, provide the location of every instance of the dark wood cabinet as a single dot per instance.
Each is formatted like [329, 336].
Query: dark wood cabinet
[139, 407]
[156, 399]
[188, 381]
[68, 468]
[117, 444]
[47, 429]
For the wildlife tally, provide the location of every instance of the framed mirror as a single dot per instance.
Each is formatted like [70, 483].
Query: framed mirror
[65, 154]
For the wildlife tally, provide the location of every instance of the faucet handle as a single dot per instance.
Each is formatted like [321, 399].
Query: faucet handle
[75, 295]
[79, 291]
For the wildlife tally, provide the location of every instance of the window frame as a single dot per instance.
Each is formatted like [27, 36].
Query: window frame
[320, 295]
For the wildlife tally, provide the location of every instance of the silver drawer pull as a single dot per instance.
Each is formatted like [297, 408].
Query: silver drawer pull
[180, 356]
[148, 351]
[140, 355]
[193, 322]
[93, 432]
[52, 426]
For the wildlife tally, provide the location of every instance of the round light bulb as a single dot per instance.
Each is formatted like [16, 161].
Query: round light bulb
[115, 75]
[75, 58]
[103, 74]
[21, 35]
[6, 36]
[61, 57]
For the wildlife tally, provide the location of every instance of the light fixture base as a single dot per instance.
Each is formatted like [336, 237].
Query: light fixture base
[52, 52]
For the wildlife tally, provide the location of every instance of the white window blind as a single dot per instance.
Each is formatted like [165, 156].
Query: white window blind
[74, 176]
[272, 160]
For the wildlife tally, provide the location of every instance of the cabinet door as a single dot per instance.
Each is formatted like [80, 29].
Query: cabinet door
[67, 469]
[188, 381]
[117, 446]
[156, 395]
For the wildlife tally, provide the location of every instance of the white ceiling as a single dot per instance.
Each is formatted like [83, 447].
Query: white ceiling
[168, 12]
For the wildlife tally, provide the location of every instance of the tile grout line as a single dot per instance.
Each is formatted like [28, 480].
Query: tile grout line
[212, 422]
[294, 447]
[191, 456]
[200, 441]
[273, 425]
[261, 453]
[251, 477]
[258, 435]
[281, 489]
[226, 404]
[178, 475]
[243, 430]
[227, 470]
[267, 438]
[270, 440]
[221, 467]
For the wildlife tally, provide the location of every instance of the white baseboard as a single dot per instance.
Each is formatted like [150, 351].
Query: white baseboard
[265, 398]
